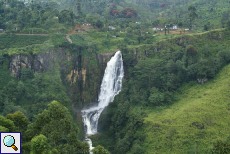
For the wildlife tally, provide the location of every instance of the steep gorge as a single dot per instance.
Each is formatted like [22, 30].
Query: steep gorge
[81, 69]
[81, 72]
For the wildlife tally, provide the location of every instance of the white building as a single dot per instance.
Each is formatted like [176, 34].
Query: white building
[111, 27]
[175, 27]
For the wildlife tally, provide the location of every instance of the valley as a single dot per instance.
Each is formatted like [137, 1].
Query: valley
[165, 64]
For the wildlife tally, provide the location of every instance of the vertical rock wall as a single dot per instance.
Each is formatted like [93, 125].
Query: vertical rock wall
[80, 70]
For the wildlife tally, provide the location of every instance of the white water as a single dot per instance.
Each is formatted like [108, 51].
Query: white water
[110, 87]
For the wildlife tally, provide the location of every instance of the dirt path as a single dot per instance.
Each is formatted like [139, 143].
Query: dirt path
[33, 34]
[68, 39]
[25, 34]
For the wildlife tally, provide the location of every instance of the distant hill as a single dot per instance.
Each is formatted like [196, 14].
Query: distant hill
[210, 12]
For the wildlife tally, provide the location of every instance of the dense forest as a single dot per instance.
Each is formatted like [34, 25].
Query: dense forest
[175, 92]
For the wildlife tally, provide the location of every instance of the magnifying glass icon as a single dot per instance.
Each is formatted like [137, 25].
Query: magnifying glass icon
[9, 141]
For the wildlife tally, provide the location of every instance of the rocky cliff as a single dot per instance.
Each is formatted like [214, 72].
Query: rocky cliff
[80, 69]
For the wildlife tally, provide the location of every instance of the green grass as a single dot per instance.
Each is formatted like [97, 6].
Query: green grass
[103, 40]
[31, 49]
[24, 44]
[27, 44]
[57, 39]
[194, 122]
[17, 41]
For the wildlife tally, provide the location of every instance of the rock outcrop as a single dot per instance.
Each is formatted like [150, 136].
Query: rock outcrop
[80, 72]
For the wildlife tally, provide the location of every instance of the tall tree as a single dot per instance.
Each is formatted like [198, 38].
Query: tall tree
[40, 144]
[100, 150]
[79, 11]
[57, 125]
[19, 119]
[192, 15]
[225, 19]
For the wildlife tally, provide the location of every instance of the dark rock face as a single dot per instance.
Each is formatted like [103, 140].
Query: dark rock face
[80, 71]
[103, 58]
[19, 61]
[38, 63]
[45, 61]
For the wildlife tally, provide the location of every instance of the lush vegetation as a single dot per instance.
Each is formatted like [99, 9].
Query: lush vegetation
[36, 89]
[171, 101]
[16, 16]
[151, 86]
[52, 131]
[17, 41]
[190, 125]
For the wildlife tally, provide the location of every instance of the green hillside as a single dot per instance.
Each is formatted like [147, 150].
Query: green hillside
[175, 91]
[157, 110]
[174, 11]
[192, 124]
[17, 41]
[210, 13]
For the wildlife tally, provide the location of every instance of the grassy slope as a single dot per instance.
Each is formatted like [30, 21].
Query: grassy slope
[26, 44]
[103, 40]
[178, 128]
[16, 41]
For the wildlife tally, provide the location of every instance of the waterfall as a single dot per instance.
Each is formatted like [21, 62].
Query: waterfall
[110, 87]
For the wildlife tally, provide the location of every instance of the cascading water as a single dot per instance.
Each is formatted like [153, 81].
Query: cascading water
[110, 87]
